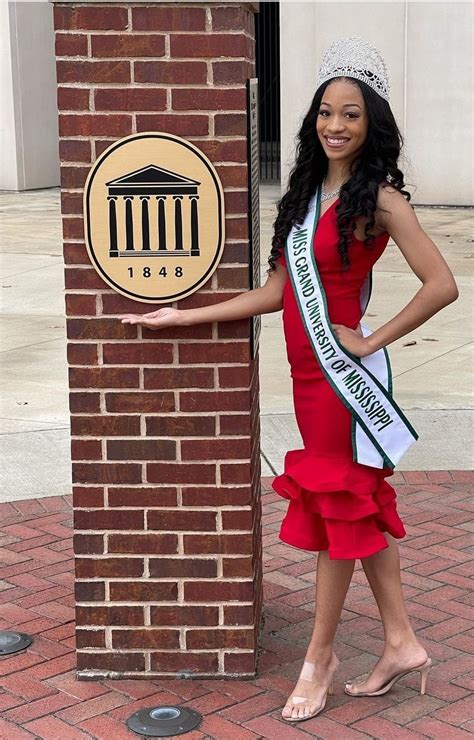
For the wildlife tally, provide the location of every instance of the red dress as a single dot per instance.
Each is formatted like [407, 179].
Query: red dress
[335, 504]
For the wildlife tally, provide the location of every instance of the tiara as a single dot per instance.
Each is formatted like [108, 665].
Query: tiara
[354, 57]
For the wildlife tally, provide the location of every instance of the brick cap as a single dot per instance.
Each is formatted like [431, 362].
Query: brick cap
[252, 5]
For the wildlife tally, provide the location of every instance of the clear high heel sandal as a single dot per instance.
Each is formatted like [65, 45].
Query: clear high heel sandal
[305, 696]
[421, 669]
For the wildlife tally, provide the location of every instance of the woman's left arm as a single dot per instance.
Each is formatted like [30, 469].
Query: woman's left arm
[438, 288]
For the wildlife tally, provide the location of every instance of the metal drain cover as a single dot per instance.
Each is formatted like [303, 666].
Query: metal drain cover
[164, 721]
[13, 642]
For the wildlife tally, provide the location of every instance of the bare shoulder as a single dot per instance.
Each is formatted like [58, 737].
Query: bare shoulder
[391, 206]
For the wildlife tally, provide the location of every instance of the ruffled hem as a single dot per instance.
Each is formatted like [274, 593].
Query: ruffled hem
[337, 505]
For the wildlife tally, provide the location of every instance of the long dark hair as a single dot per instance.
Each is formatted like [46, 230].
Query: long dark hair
[376, 163]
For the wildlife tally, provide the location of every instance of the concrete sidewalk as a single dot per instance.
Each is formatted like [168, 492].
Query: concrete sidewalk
[40, 698]
[431, 377]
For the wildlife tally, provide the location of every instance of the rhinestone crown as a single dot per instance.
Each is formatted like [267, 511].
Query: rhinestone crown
[354, 57]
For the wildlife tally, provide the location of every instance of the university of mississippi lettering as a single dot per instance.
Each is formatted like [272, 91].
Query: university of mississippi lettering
[381, 432]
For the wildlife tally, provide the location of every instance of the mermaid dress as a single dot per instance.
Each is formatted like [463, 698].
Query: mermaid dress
[335, 503]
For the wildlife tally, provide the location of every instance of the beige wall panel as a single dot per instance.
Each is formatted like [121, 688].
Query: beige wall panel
[440, 102]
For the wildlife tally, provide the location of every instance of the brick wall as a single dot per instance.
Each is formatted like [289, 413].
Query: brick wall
[165, 430]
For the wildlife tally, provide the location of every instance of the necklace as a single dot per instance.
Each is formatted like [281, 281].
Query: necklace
[328, 196]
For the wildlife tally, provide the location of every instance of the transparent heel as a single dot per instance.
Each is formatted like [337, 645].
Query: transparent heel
[423, 670]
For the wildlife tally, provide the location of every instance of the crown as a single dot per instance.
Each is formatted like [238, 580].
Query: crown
[354, 57]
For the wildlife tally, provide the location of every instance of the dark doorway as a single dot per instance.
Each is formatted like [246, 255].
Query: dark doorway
[267, 32]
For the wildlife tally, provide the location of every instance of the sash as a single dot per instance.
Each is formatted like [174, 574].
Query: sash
[381, 433]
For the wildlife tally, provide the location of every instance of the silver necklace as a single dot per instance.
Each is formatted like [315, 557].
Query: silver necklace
[328, 196]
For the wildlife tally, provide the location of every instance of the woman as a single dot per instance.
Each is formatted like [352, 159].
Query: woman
[340, 504]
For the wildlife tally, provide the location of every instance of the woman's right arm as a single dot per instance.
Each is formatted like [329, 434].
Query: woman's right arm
[262, 300]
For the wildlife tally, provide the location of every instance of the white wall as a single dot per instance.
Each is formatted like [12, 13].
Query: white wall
[427, 47]
[29, 124]
[8, 163]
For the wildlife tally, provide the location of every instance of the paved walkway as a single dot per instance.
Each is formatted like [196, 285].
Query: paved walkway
[40, 697]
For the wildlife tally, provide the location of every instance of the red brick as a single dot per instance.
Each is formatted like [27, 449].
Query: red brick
[229, 18]
[214, 401]
[235, 423]
[147, 591]
[142, 497]
[92, 707]
[71, 44]
[73, 98]
[90, 18]
[81, 278]
[184, 661]
[94, 125]
[33, 709]
[210, 496]
[52, 727]
[223, 638]
[225, 151]
[100, 145]
[86, 449]
[109, 567]
[180, 426]
[235, 473]
[185, 615]
[99, 329]
[109, 615]
[229, 73]
[123, 45]
[153, 353]
[104, 661]
[92, 591]
[75, 253]
[178, 473]
[174, 519]
[179, 377]
[130, 99]
[84, 403]
[103, 473]
[231, 124]
[194, 352]
[171, 73]
[105, 426]
[73, 229]
[232, 176]
[141, 403]
[189, 125]
[146, 638]
[71, 203]
[81, 304]
[143, 449]
[215, 449]
[88, 496]
[228, 544]
[208, 45]
[92, 71]
[218, 591]
[238, 519]
[89, 544]
[208, 99]
[237, 568]
[171, 18]
[109, 519]
[103, 377]
[182, 568]
[143, 543]
[82, 354]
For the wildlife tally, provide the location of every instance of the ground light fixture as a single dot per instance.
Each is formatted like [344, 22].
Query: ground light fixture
[164, 721]
[13, 642]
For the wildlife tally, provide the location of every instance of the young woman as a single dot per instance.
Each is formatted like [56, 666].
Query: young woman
[323, 251]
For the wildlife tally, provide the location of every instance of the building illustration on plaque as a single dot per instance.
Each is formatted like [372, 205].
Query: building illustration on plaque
[150, 195]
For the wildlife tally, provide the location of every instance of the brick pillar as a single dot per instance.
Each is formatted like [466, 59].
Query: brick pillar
[165, 429]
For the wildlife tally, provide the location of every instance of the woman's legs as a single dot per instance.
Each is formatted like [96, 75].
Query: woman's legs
[332, 581]
[402, 649]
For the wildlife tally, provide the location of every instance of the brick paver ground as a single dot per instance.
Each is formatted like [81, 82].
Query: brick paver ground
[40, 697]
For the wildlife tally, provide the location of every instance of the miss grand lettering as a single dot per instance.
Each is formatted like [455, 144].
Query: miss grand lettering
[313, 311]
[366, 399]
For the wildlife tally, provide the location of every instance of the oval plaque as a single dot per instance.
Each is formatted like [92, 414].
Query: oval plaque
[154, 217]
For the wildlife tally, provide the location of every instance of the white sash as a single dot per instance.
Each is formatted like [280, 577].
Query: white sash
[381, 434]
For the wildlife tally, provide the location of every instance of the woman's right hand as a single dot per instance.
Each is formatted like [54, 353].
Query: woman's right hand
[155, 319]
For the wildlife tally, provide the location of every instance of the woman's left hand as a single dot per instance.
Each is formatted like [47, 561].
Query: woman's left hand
[352, 339]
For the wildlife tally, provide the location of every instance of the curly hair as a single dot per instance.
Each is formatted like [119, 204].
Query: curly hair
[375, 164]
